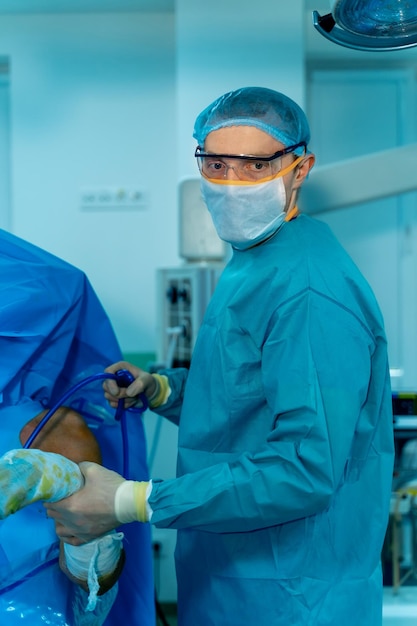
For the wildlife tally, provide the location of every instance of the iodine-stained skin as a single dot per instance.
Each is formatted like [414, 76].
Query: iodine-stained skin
[27, 476]
[66, 433]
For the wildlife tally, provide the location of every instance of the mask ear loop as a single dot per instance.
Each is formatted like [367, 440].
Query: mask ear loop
[289, 168]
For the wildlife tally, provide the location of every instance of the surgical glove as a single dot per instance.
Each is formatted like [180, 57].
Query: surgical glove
[154, 386]
[90, 512]
[130, 501]
[30, 475]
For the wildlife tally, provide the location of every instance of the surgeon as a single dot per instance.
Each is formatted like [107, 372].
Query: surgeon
[285, 454]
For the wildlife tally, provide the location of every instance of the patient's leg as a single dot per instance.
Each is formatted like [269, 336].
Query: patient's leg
[67, 433]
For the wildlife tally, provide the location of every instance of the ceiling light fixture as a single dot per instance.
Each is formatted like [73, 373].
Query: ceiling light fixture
[370, 25]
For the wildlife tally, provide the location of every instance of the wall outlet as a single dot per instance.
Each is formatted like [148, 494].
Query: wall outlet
[112, 198]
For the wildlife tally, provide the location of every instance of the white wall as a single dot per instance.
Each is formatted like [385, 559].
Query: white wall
[93, 105]
[109, 100]
[226, 45]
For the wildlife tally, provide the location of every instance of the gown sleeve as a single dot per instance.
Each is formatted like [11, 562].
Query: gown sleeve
[326, 383]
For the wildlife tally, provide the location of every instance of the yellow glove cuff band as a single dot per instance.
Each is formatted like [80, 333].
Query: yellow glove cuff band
[162, 392]
[139, 498]
[130, 502]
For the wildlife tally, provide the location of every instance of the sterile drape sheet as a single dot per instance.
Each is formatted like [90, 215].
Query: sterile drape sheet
[54, 333]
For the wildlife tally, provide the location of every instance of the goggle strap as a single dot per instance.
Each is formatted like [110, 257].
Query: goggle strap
[292, 214]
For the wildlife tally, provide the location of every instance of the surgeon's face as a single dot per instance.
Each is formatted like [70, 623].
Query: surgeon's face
[252, 141]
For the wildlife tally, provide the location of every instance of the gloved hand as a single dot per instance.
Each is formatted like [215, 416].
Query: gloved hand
[154, 386]
[90, 512]
[143, 383]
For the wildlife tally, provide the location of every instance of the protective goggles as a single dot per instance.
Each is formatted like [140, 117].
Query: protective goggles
[246, 167]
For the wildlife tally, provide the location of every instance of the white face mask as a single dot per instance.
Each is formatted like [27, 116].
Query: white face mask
[244, 215]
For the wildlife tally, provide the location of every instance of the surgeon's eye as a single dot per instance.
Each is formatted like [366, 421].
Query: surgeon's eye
[213, 167]
[256, 167]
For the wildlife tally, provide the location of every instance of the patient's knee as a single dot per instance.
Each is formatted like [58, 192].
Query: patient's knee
[66, 433]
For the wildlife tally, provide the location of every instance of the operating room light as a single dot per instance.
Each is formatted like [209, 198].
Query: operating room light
[370, 25]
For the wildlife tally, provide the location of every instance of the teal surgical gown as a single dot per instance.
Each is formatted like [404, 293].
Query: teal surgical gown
[54, 333]
[285, 443]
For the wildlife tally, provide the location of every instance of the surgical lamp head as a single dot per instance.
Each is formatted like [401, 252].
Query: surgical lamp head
[266, 109]
[370, 25]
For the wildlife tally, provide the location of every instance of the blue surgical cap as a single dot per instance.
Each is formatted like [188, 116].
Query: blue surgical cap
[266, 109]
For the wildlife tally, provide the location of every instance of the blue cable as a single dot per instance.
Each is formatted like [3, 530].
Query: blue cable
[123, 379]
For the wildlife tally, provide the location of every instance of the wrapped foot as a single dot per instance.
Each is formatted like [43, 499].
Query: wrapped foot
[29, 475]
